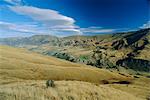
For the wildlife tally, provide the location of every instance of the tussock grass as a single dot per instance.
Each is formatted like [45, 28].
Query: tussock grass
[140, 88]
[18, 66]
[64, 90]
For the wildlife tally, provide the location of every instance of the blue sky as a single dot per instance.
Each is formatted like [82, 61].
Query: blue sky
[72, 17]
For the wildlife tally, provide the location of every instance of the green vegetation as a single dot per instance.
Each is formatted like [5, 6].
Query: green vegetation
[83, 57]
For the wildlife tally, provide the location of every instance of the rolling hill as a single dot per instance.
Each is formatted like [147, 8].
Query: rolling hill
[23, 64]
[23, 75]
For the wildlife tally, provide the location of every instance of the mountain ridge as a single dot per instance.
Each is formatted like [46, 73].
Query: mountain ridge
[110, 50]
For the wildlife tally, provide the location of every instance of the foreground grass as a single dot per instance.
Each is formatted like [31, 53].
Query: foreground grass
[18, 66]
[64, 90]
[139, 88]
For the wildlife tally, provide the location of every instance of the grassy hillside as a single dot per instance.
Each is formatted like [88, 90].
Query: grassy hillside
[23, 75]
[130, 50]
[22, 64]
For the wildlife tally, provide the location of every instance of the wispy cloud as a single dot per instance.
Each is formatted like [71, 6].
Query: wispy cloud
[14, 2]
[46, 16]
[22, 28]
[50, 19]
[147, 25]
[97, 30]
[16, 30]
[32, 29]
[51, 22]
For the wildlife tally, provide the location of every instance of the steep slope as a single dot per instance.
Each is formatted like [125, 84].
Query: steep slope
[138, 58]
[136, 40]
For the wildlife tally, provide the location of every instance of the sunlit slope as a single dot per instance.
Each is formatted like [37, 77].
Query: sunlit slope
[21, 64]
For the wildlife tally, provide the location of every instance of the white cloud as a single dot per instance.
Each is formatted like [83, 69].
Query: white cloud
[22, 28]
[50, 19]
[14, 2]
[36, 28]
[147, 25]
[47, 16]
[97, 30]
[13, 29]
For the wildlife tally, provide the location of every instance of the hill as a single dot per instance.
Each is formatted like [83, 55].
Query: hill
[23, 75]
[22, 64]
[130, 50]
[34, 40]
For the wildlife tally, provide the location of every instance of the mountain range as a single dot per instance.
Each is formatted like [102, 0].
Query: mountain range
[129, 50]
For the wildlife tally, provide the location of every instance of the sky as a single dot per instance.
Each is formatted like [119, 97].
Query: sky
[19, 18]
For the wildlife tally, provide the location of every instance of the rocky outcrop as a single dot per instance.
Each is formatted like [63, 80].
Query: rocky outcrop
[120, 44]
[135, 64]
[133, 40]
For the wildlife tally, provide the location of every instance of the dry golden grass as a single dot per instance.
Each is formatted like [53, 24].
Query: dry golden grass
[23, 75]
[22, 64]
[140, 87]
[64, 90]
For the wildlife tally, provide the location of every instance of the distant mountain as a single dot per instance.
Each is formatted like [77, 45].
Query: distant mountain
[34, 40]
[130, 50]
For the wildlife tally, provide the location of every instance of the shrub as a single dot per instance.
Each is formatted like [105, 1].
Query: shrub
[50, 83]
[136, 76]
[105, 82]
[148, 98]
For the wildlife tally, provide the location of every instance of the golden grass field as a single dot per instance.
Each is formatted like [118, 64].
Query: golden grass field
[27, 65]
[23, 75]
[64, 90]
